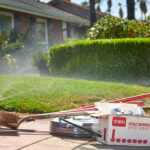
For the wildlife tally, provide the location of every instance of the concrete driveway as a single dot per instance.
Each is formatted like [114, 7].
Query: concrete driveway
[35, 136]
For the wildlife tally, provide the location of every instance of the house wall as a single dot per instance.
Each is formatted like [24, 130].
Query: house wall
[57, 31]
[25, 23]
[64, 24]
[76, 31]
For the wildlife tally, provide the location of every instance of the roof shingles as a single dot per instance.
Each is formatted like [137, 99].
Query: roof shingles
[75, 9]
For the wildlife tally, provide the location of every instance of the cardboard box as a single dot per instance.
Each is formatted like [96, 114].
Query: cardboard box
[125, 130]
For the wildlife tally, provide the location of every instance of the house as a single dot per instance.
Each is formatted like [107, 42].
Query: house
[48, 23]
[75, 9]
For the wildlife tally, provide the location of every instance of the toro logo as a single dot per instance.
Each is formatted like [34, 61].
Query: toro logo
[119, 121]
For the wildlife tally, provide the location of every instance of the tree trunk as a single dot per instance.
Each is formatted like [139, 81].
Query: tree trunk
[92, 13]
[131, 9]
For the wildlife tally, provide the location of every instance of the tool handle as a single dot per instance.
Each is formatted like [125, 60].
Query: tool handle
[49, 115]
[129, 99]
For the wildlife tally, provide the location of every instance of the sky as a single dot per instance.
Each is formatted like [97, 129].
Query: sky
[115, 7]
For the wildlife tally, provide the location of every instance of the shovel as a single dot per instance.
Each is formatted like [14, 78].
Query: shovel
[12, 121]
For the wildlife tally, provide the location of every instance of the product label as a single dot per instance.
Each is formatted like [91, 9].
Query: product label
[138, 126]
[119, 121]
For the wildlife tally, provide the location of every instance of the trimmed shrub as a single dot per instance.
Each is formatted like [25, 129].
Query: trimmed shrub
[102, 59]
[112, 27]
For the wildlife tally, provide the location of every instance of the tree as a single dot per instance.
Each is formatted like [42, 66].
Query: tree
[92, 12]
[109, 4]
[85, 3]
[143, 8]
[131, 9]
[98, 3]
[98, 8]
[120, 10]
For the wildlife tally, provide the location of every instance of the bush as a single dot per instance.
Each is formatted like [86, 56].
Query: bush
[113, 27]
[6, 46]
[102, 59]
[11, 48]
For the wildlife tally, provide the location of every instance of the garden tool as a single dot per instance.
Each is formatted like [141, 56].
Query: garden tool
[12, 121]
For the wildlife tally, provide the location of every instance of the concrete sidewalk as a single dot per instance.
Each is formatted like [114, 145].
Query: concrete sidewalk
[56, 143]
[35, 136]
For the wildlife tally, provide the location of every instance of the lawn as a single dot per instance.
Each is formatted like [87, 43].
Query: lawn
[46, 94]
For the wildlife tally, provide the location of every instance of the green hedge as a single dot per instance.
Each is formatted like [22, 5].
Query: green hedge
[102, 59]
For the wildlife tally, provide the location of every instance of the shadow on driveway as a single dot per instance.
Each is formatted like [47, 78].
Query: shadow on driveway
[9, 132]
[99, 146]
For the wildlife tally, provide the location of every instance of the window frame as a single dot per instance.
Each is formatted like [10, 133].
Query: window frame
[46, 31]
[10, 15]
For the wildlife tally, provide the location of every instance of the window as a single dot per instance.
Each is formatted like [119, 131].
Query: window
[6, 22]
[41, 26]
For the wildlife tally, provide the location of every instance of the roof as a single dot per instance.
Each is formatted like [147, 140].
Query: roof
[40, 9]
[75, 9]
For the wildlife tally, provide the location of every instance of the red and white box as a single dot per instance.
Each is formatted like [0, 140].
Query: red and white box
[125, 130]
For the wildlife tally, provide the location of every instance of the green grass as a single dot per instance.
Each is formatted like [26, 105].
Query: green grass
[47, 94]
